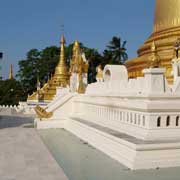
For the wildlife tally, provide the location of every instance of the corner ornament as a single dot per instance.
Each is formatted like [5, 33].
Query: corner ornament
[154, 59]
[42, 113]
[176, 49]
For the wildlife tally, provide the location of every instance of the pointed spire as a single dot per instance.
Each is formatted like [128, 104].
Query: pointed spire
[62, 51]
[76, 51]
[11, 72]
[61, 71]
[63, 41]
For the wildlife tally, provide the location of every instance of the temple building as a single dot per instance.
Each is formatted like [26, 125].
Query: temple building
[165, 34]
[72, 79]
[60, 78]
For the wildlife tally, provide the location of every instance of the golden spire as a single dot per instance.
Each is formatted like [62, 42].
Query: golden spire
[61, 67]
[76, 48]
[167, 14]
[74, 59]
[76, 45]
[61, 71]
[62, 51]
[11, 72]
[154, 59]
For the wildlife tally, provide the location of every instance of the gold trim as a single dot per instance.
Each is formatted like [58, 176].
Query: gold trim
[42, 113]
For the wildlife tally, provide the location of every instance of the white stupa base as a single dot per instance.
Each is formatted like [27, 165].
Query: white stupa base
[134, 121]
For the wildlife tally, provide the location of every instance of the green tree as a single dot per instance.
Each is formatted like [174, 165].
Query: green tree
[94, 59]
[118, 50]
[37, 64]
[47, 63]
[11, 92]
[28, 70]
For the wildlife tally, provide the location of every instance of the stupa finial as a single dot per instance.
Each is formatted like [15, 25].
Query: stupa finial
[62, 51]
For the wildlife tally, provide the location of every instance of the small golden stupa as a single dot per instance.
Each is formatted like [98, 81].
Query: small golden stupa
[78, 68]
[79, 65]
[165, 34]
[60, 78]
[11, 72]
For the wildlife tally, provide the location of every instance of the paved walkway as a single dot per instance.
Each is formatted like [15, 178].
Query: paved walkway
[80, 161]
[23, 156]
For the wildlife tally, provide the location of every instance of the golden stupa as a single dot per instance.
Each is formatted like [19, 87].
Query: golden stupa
[60, 78]
[78, 68]
[165, 34]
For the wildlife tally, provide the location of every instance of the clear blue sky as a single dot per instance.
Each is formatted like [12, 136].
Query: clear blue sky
[26, 24]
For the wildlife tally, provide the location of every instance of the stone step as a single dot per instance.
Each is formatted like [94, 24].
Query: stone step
[129, 151]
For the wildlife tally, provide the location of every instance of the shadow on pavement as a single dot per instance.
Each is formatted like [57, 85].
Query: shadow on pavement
[15, 121]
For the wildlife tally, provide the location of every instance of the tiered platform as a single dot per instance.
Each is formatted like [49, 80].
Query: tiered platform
[132, 152]
[136, 122]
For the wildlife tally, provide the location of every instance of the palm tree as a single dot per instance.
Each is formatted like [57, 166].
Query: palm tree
[118, 50]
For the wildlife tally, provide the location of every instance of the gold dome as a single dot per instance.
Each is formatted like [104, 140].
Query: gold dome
[167, 14]
[166, 32]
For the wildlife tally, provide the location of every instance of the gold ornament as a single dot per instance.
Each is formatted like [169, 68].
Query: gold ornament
[42, 113]
[154, 59]
[79, 66]
[166, 31]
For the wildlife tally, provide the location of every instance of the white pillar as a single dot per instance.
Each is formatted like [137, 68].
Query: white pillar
[154, 80]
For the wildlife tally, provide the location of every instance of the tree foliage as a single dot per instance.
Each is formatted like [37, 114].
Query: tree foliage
[37, 64]
[11, 92]
[117, 50]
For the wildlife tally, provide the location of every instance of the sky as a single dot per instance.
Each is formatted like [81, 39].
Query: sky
[27, 24]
